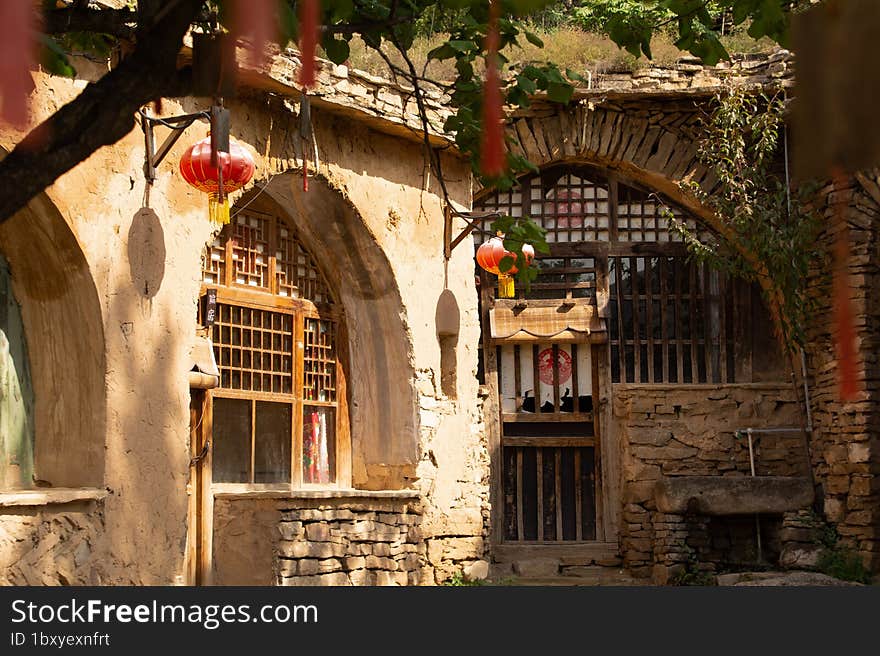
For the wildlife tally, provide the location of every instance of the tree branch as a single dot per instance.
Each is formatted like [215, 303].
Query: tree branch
[115, 22]
[102, 114]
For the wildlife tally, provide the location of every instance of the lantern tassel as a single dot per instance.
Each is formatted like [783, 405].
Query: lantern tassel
[505, 286]
[218, 210]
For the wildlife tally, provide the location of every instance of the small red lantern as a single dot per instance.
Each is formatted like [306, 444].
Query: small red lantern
[235, 171]
[489, 255]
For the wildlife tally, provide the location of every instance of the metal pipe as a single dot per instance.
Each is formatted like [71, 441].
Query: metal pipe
[749, 433]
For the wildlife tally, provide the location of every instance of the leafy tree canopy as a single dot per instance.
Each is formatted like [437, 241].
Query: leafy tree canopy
[149, 34]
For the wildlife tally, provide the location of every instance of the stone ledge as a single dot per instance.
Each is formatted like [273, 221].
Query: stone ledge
[50, 496]
[234, 491]
[729, 495]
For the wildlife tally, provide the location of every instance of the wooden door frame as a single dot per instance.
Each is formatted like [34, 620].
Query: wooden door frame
[607, 451]
[200, 524]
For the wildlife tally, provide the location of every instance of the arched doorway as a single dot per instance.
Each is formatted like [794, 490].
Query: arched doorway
[618, 301]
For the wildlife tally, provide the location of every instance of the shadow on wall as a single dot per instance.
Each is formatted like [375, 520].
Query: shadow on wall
[383, 398]
[146, 252]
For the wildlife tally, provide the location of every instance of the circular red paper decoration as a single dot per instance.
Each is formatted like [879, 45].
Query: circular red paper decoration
[545, 366]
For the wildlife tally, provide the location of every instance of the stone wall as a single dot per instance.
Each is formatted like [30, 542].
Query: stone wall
[53, 544]
[350, 543]
[688, 430]
[846, 446]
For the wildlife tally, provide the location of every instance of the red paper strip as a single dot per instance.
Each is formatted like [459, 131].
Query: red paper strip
[17, 58]
[308, 41]
[492, 146]
[257, 20]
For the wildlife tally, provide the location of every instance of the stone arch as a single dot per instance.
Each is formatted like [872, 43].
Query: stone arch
[61, 314]
[652, 141]
[383, 397]
[655, 147]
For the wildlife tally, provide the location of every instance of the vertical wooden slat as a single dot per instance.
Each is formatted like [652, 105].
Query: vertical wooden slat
[537, 377]
[679, 336]
[297, 414]
[575, 384]
[598, 429]
[612, 209]
[555, 377]
[539, 468]
[621, 339]
[637, 345]
[664, 333]
[253, 440]
[709, 329]
[520, 530]
[578, 497]
[557, 455]
[517, 377]
[649, 312]
[205, 573]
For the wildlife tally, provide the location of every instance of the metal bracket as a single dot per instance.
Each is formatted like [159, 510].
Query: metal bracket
[448, 242]
[153, 157]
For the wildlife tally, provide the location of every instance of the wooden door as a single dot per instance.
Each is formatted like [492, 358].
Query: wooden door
[549, 442]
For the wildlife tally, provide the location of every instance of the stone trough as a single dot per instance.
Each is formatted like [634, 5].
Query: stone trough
[740, 495]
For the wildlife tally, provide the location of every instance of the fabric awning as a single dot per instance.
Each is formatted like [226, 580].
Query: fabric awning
[518, 322]
[204, 373]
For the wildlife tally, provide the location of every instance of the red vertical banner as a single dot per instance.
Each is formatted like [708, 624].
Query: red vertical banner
[17, 58]
[309, 11]
[492, 143]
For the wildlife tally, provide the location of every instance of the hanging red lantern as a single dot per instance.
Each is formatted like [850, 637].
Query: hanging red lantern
[489, 256]
[235, 171]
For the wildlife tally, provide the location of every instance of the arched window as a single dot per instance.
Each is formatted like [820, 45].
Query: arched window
[669, 319]
[279, 415]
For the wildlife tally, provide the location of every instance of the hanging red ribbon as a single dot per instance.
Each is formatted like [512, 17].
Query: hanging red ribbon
[308, 41]
[17, 58]
[257, 20]
[844, 320]
[492, 146]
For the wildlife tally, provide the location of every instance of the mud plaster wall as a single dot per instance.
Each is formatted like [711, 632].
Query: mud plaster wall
[54, 545]
[143, 248]
[689, 431]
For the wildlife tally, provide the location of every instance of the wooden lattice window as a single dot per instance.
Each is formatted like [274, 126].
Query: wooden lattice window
[280, 412]
[669, 319]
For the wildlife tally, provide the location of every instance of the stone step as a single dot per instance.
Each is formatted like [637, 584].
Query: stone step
[547, 571]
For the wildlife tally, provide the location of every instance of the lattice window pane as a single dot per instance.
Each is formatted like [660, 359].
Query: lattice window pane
[319, 362]
[254, 349]
[214, 261]
[250, 249]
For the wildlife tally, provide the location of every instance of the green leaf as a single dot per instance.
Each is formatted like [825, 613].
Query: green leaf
[337, 50]
[532, 38]
[560, 92]
[54, 59]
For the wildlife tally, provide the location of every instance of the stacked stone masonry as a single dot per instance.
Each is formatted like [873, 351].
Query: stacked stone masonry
[846, 445]
[347, 545]
[690, 431]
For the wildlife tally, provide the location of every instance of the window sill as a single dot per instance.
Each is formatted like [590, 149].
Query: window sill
[234, 491]
[50, 496]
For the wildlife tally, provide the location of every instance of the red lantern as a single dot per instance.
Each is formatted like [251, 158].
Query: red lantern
[489, 255]
[235, 171]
